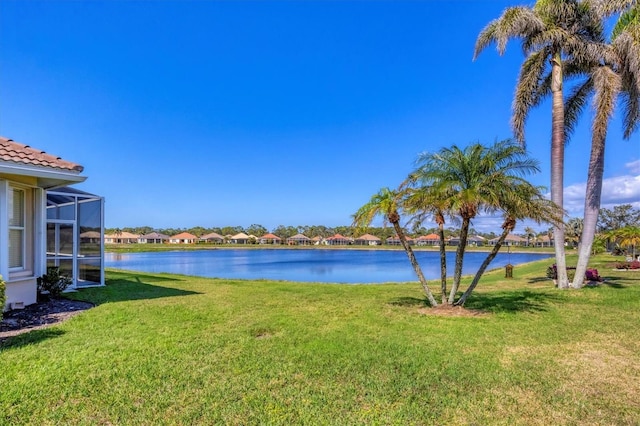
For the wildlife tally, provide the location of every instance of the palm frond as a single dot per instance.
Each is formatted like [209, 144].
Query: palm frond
[574, 106]
[528, 93]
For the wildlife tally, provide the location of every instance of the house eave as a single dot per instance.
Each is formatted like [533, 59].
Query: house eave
[46, 178]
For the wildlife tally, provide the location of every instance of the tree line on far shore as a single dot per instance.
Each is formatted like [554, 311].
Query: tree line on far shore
[608, 220]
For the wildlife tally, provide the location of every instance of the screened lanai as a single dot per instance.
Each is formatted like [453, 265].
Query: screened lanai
[75, 235]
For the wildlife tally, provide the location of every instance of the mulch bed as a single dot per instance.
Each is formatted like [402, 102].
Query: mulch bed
[39, 315]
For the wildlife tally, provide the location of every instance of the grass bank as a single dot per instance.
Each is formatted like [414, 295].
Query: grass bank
[140, 248]
[166, 349]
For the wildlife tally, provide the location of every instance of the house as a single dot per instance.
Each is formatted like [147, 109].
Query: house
[212, 238]
[368, 240]
[153, 238]
[299, 239]
[338, 240]
[428, 240]
[395, 241]
[543, 241]
[183, 238]
[270, 239]
[41, 222]
[122, 237]
[510, 240]
[472, 240]
[240, 238]
[318, 240]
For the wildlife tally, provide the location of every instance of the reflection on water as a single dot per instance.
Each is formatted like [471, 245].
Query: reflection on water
[313, 265]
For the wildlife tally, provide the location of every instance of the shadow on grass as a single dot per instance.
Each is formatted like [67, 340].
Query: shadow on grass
[122, 286]
[512, 302]
[537, 280]
[29, 338]
[614, 282]
[408, 301]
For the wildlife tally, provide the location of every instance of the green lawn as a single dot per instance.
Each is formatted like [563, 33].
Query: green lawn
[166, 349]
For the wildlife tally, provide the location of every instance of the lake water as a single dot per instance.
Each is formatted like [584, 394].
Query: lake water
[313, 265]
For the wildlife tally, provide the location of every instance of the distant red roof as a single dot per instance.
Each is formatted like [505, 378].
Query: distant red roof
[270, 237]
[429, 237]
[18, 153]
[368, 237]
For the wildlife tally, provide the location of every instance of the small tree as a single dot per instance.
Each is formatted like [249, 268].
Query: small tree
[53, 283]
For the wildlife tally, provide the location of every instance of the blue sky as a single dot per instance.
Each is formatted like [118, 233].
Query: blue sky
[274, 113]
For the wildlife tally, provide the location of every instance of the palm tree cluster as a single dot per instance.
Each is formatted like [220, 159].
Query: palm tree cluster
[562, 40]
[458, 184]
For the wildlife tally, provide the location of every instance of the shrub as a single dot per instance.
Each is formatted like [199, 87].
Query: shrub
[3, 296]
[53, 283]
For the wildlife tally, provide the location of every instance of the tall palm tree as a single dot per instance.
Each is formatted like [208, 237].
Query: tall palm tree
[388, 203]
[523, 201]
[551, 31]
[614, 73]
[470, 180]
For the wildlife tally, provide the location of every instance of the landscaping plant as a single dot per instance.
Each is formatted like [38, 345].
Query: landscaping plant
[53, 283]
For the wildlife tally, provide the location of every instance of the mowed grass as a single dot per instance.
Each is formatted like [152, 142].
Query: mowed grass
[167, 349]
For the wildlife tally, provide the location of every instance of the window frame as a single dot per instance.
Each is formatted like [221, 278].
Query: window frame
[26, 268]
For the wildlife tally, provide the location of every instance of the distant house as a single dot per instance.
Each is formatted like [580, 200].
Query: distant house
[544, 241]
[183, 238]
[395, 241]
[121, 238]
[212, 238]
[270, 239]
[318, 240]
[472, 240]
[510, 240]
[153, 238]
[240, 238]
[338, 240]
[299, 239]
[428, 240]
[368, 240]
[41, 222]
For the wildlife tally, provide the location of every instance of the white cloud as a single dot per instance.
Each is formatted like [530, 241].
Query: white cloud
[633, 166]
[615, 191]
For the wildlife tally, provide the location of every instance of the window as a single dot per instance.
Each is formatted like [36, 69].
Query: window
[17, 231]
[20, 203]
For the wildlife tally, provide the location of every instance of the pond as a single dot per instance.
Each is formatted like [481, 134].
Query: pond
[306, 265]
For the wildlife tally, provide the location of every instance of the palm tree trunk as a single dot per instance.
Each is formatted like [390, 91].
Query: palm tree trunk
[591, 209]
[557, 164]
[443, 265]
[507, 227]
[457, 272]
[414, 263]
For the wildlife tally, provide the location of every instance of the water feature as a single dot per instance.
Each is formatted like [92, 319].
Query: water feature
[305, 265]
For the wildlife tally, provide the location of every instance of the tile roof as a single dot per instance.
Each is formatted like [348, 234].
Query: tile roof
[18, 153]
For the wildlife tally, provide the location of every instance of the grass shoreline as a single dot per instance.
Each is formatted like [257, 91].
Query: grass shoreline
[143, 248]
[173, 349]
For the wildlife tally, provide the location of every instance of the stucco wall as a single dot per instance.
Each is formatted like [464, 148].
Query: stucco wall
[24, 291]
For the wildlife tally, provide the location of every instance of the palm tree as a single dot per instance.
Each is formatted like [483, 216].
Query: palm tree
[614, 73]
[471, 180]
[573, 231]
[551, 31]
[629, 236]
[421, 202]
[388, 203]
[530, 234]
[524, 201]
